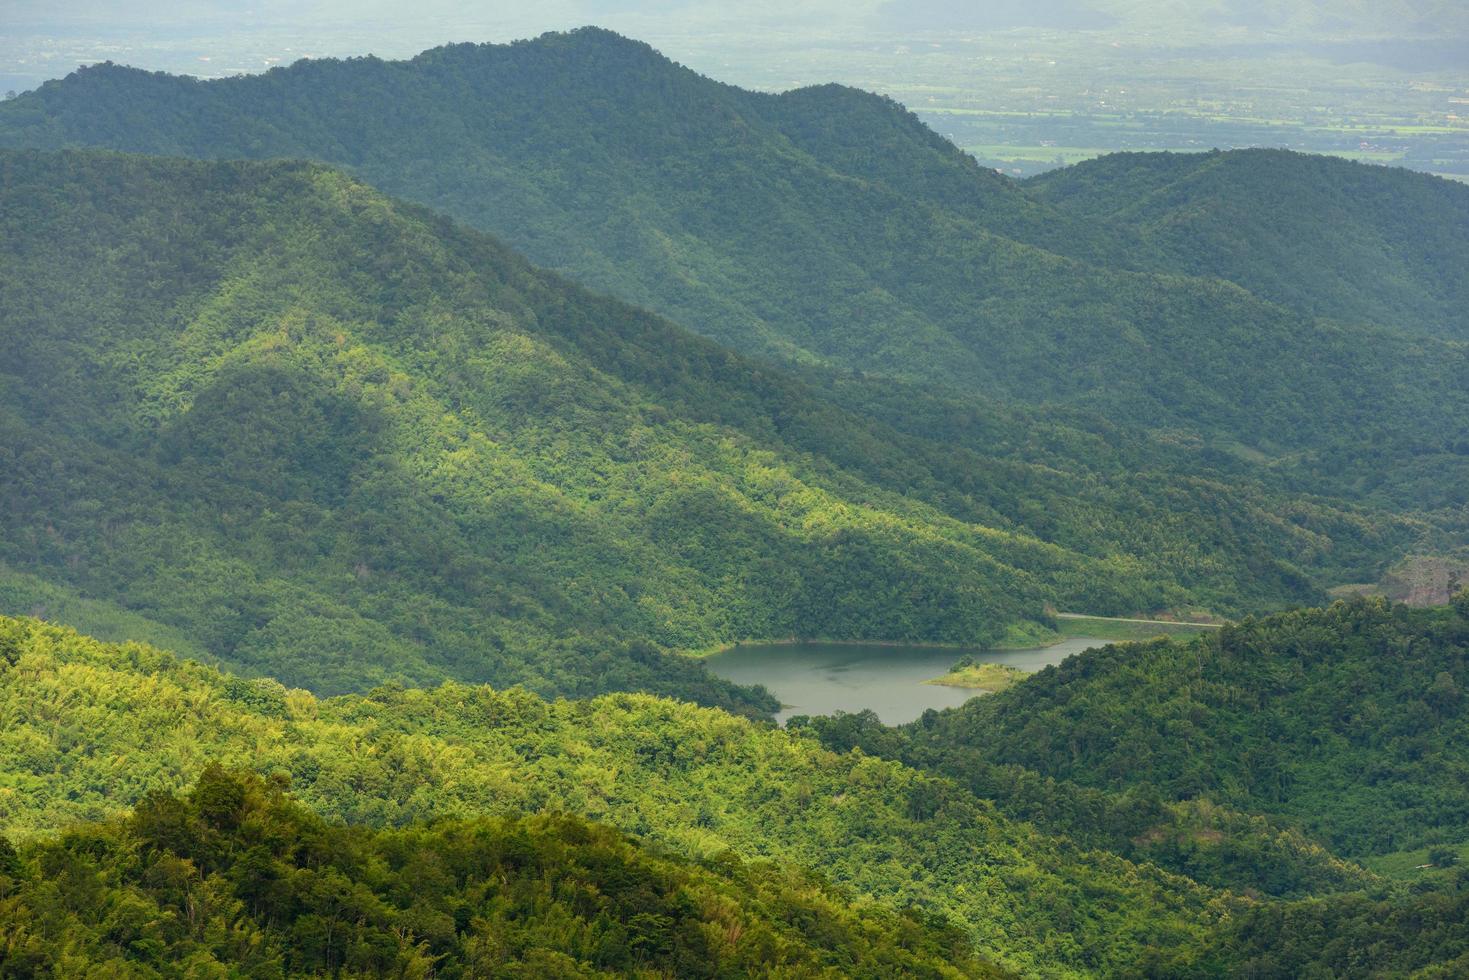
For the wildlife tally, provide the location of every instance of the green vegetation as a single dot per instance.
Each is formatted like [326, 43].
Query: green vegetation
[326, 437]
[1419, 864]
[237, 879]
[1422, 934]
[1212, 844]
[1243, 216]
[345, 442]
[92, 728]
[1225, 756]
[980, 676]
[26, 595]
[258, 413]
[827, 226]
[1125, 630]
[1270, 716]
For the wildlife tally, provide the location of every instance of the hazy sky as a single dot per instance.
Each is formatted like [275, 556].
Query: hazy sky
[174, 17]
[1023, 84]
[41, 39]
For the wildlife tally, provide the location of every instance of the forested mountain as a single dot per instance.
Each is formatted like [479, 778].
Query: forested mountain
[237, 879]
[1347, 722]
[1325, 236]
[1220, 757]
[93, 728]
[351, 459]
[823, 226]
[332, 438]
[339, 440]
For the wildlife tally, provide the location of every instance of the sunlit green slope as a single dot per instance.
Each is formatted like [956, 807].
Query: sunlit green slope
[91, 727]
[329, 437]
[236, 879]
[339, 440]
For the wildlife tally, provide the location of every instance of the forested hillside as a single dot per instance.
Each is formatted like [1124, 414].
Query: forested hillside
[1348, 723]
[1321, 235]
[237, 879]
[92, 728]
[827, 226]
[332, 438]
[396, 550]
[96, 729]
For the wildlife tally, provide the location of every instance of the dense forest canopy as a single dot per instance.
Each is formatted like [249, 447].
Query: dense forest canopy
[93, 728]
[328, 437]
[1344, 240]
[828, 226]
[343, 460]
[1220, 757]
[1348, 723]
[237, 879]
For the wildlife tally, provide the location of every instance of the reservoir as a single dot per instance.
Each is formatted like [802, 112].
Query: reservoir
[823, 678]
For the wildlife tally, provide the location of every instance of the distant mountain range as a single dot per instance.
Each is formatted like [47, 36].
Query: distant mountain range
[829, 227]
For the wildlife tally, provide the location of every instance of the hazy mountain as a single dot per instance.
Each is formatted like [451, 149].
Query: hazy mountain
[1325, 236]
[822, 226]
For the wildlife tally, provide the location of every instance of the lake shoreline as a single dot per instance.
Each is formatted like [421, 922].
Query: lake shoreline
[708, 652]
[895, 681]
[1072, 626]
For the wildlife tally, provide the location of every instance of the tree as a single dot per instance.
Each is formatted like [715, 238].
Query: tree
[1443, 857]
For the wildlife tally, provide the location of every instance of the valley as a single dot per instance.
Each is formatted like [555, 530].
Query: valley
[405, 465]
[890, 680]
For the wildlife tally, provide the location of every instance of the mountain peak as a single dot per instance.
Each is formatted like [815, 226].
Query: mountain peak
[588, 41]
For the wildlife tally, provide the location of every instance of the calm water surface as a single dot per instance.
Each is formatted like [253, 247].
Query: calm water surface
[822, 678]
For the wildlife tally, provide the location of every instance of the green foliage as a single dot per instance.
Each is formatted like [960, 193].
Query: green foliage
[26, 595]
[827, 226]
[1325, 236]
[1347, 722]
[1443, 857]
[329, 438]
[1422, 933]
[237, 879]
[1212, 844]
[91, 728]
[335, 440]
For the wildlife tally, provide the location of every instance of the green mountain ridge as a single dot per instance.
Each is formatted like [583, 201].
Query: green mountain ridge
[819, 226]
[325, 436]
[1245, 215]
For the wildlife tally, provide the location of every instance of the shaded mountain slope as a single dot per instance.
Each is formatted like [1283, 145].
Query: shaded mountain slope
[333, 438]
[1325, 236]
[823, 226]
